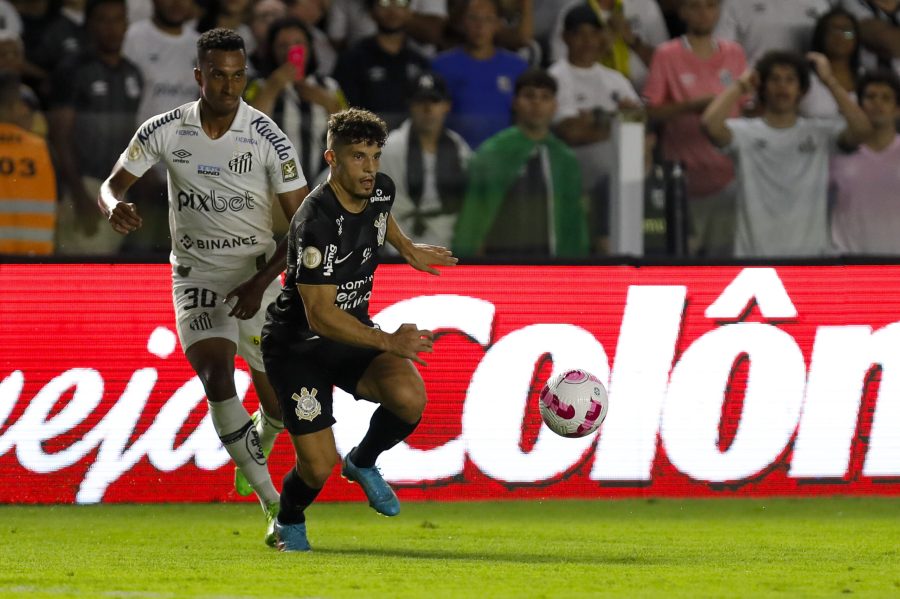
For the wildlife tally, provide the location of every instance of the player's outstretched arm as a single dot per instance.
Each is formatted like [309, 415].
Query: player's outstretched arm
[248, 295]
[122, 216]
[327, 320]
[420, 256]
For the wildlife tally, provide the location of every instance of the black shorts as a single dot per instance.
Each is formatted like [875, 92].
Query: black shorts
[304, 374]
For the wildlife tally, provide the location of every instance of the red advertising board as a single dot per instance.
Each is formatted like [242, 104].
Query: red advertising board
[722, 380]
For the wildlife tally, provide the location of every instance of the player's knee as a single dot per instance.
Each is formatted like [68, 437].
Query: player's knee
[409, 402]
[315, 472]
[217, 380]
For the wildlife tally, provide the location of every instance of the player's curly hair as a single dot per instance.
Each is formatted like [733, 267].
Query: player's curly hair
[219, 39]
[354, 126]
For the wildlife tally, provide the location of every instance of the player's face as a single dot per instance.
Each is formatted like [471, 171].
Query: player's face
[880, 105]
[782, 90]
[534, 107]
[222, 76]
[700, 16]
[107, 26]
[354, 166]
[428, 116]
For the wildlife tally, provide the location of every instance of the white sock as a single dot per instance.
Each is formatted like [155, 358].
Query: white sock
[241, 441]
[268, 428]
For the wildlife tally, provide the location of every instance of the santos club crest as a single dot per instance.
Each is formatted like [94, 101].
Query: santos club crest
[308, 407]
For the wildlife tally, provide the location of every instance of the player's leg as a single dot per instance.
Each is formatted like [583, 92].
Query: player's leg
[213, 361]
[316, 458]
[394, 383]
[267, 419]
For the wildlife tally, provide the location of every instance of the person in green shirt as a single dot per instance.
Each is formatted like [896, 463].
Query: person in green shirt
[524, 195]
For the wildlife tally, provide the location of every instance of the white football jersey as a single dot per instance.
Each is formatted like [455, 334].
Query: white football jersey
[221, 191]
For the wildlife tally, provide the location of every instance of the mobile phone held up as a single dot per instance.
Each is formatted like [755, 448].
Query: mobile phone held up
[297, 57]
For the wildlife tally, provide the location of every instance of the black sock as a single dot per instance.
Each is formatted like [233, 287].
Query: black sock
[385, 431]
[296, 496]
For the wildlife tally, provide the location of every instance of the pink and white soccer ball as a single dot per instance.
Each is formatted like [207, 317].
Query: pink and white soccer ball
[574, 403]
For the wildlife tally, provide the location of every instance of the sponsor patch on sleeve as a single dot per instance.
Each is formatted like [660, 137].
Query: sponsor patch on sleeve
[289, 171]
[311, 257]
[134, 151]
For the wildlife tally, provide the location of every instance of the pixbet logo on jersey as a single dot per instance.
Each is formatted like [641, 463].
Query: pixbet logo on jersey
[722, 381]
[213, 201]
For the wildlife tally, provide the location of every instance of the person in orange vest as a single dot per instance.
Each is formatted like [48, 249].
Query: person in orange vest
[27, 179]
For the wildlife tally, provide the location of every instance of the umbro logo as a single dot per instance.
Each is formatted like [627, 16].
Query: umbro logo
[181, 156]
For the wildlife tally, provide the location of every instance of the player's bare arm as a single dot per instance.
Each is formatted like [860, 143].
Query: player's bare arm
[713, 120]
[248, 295]
[858, 126]
[123, 216]
[420, 256]
[326, 319]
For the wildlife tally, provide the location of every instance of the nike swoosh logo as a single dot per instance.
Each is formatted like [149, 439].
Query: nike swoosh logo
[339, 260]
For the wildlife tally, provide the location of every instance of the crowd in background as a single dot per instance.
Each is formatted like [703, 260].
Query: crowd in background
[774, 120]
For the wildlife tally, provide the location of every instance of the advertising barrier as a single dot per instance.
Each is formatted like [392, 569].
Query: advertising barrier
[723, 381]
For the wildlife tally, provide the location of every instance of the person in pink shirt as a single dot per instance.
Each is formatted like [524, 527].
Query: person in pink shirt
[685, 75]
[866, 214]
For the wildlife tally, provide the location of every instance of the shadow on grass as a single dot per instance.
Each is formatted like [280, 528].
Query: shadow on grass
[478, 556]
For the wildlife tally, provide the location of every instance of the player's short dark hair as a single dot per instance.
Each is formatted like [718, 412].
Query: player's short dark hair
[879, 76]
[220, 39]
[354, 126]
[538, 78]
[782, 58]
[92, 5]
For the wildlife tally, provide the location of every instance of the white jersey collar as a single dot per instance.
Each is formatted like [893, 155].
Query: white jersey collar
[240, 123]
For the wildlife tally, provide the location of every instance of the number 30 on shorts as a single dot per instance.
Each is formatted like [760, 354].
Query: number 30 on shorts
[204, 298]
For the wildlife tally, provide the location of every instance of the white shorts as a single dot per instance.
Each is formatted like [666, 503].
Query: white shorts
[201, 312]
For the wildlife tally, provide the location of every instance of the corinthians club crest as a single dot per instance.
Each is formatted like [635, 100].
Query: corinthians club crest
[308, 407]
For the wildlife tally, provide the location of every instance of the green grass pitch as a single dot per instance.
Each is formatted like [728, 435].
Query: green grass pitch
[823, 547]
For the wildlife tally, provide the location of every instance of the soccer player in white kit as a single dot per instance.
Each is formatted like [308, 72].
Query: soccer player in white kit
[225, 161]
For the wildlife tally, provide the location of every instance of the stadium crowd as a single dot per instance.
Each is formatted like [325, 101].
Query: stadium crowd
[773, 120]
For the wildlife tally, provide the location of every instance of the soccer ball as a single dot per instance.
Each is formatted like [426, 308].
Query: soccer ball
[574, 403]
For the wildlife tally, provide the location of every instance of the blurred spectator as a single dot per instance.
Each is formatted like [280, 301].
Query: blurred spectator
[264, 13]
[685, 75]
[516, 31]
[480, 75]
[93, 105]
[312, 12]
[10, 21]
[164, 49]
[671, 10]
[524, 193]
[637, 27]
[427, 162]
[781, 157]
[230, 14]
[299, 103]
[12, 59]
[74, 10]
[763, 25]
[837, 37]
[589, 96]
[866, 214]
[349, 21]
[879, 23]
[49, 37]
[379, 72]
[28, 190]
